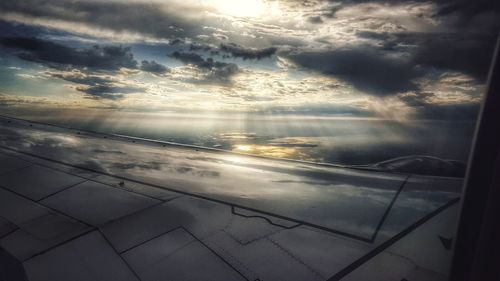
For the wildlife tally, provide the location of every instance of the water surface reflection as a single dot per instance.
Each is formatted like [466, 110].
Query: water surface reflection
[343, 200]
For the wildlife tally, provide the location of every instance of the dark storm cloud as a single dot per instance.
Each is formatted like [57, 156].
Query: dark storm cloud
[147, 18]
[13, 29]
[365, 68]
[477, 14]
[469, 53]
[60, 56]
[480, 14]
[153, 67]
[215, 71]
[238, 51]
[375, 70]
[466, 47]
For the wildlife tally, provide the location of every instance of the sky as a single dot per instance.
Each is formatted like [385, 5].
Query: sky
[388, 59]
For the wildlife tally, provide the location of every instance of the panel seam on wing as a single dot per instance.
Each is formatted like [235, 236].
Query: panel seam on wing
[310, 268]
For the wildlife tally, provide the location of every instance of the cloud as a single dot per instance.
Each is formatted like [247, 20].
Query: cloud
[417, 99]
[238, 51]
[153, 67]
[199, 47]
[468, 53]
[95, 69]
[80, 77]
[105, 91]
[383, 48]
[393, 62]
[427, 105]
[458, 14]
[214, 71]
[366, 69]
[464, 111]
[60, 56]
[12, 101]
[373, 35]
[479, 14]
[190, 58]
[149, 19]
[315, 19]
[97, 86]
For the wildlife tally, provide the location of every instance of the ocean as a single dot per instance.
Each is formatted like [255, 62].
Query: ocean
[317, 138]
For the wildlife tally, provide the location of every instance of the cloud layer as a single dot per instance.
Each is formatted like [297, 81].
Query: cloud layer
[365, 69]
[214, 71]
[57, 55]
[411, 55]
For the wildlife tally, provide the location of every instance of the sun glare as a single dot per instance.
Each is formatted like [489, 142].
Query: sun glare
[238, 8]
[243, 148]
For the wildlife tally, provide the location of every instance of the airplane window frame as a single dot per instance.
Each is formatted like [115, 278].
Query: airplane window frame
[477, 246]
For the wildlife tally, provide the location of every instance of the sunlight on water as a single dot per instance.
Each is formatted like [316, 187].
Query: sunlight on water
[316, 138]
[267, 150]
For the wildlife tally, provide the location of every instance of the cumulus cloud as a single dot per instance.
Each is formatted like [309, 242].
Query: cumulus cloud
[61, 56]
[199, 47]
[190, 58]
[97, 86]
[94, 69]
[214, 71]
[238, 51]
[153, 67]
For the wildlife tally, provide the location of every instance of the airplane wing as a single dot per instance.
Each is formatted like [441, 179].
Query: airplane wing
[77, 205]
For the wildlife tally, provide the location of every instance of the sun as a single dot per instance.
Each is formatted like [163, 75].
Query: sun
[238, 8]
